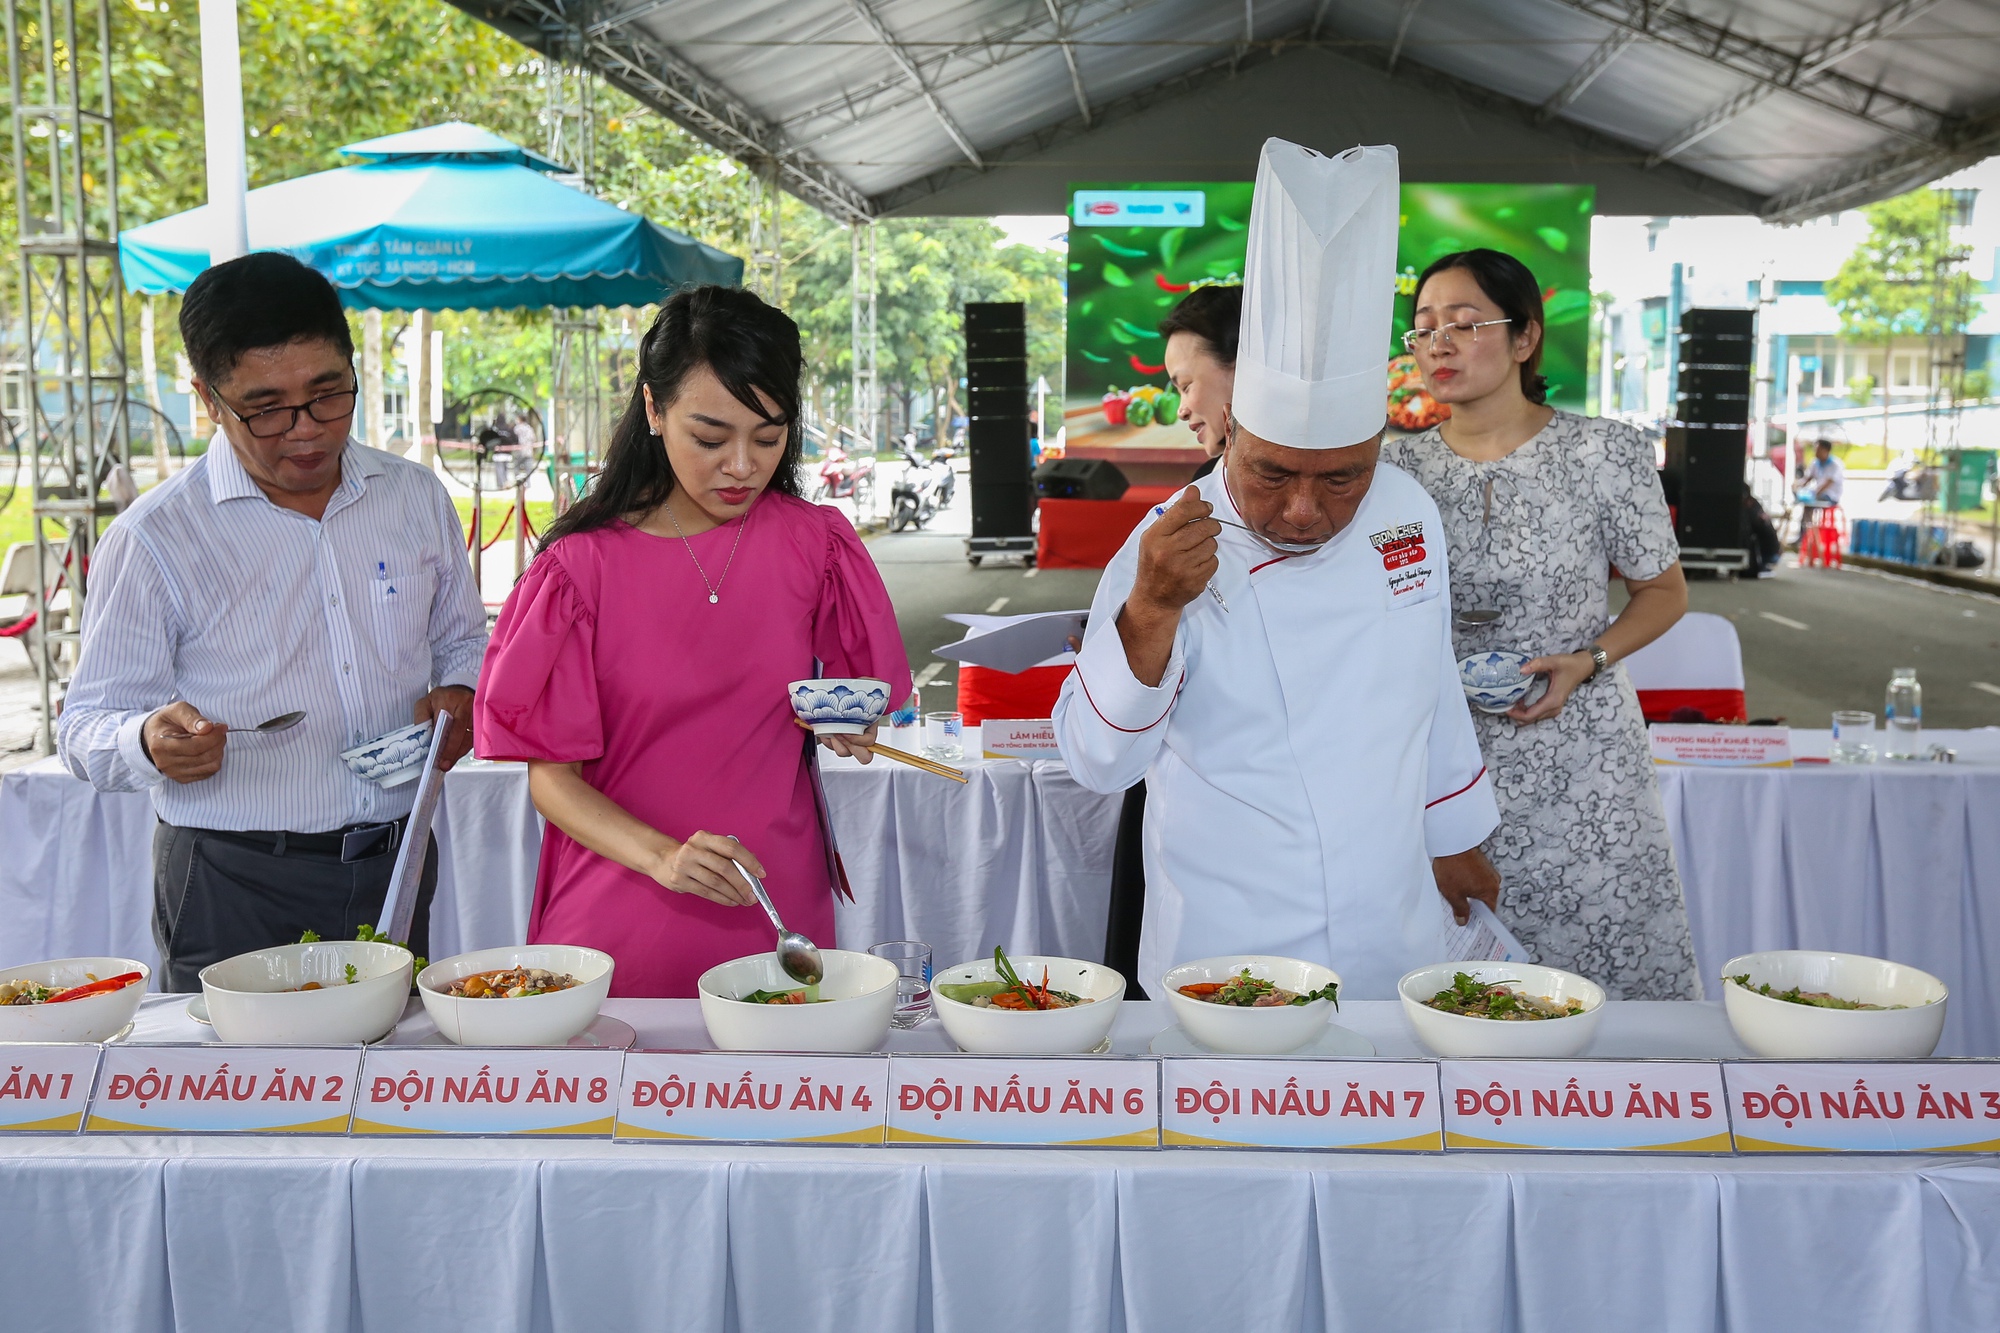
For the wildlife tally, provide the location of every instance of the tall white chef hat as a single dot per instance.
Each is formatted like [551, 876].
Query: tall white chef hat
[1318, 291]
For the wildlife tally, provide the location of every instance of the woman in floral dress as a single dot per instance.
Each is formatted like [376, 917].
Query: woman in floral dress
[1541, 508]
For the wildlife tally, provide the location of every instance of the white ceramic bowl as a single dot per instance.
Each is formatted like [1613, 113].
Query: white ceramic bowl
[1073, 1031]
[1495, 698]
[857, 1000]
[393, 758]
[1790, 1031]
[1457, 1035]
[252, 997]
[839, 705]
[92, 1018]
[1272, 1030]
[527, 1020]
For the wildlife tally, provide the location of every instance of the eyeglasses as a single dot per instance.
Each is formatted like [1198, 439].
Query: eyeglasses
[1446, 334]
[273, 422]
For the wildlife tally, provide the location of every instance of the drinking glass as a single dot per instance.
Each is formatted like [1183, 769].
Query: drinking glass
[1853, 737]
[944, 735]
[913, 980]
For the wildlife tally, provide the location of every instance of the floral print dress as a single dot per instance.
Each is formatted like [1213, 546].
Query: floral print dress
[1587, 872]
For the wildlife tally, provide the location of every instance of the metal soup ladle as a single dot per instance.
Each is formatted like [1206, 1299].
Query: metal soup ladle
[797, 955]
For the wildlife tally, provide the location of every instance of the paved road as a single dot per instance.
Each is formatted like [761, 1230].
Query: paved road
[1813, 640]
[1818, 639]
[928, 575]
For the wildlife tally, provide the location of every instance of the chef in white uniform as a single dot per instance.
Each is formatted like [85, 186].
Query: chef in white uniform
[1272, 651]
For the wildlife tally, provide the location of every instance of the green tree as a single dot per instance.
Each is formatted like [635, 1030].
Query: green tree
[1907, 278]
[321, 73]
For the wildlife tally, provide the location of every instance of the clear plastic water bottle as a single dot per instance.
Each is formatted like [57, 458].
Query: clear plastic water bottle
[1903, 713]
[906, 723]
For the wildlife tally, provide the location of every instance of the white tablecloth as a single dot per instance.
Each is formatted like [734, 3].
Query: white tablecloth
[1901, 861]
[140, 1234]
[1019, 856]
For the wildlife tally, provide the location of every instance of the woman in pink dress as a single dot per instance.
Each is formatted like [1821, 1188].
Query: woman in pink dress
[640, 666]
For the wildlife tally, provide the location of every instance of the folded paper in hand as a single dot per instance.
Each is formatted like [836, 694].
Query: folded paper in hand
[1016, 643]
[1482, 939]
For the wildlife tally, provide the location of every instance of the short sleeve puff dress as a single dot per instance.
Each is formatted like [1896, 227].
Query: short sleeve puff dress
[609, 654]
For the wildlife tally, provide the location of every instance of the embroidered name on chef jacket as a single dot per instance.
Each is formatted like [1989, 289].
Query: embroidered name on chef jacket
[1403, 557]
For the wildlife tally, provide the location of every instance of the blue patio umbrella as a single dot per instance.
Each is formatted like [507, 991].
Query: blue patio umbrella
[450, 217]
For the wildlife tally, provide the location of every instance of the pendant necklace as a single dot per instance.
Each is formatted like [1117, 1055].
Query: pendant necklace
[715, 588]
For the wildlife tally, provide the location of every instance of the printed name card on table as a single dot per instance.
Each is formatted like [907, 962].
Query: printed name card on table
[1360, 1104]
[45, 1088]
[1056, 1101]
[456, 1090]
[1941, 1106]
[1721, 747]
[751, 1097]
[1012, 738]
[224, 1090]
[1585, 1105]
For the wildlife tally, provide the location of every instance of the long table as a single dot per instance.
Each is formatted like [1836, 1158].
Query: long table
[144, 1234]
[1895, 860]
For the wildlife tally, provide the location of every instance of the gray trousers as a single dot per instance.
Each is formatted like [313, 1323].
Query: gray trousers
[216, 895]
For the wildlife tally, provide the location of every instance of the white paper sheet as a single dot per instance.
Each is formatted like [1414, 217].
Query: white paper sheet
[1016, 643]
[1484, 938]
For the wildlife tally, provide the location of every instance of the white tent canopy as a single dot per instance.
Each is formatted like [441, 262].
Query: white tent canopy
[1783, 108]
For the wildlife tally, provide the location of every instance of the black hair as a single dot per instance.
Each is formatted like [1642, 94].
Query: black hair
[266, 299]
[1213, 314]
[1509, 284]
[750, 347]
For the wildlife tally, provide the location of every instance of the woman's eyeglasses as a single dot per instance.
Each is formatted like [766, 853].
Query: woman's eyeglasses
[1446, 334]
[276, 421]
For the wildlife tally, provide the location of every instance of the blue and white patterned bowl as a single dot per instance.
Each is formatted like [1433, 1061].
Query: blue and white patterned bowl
[393, 758]
[1493, 681]
[840, 705]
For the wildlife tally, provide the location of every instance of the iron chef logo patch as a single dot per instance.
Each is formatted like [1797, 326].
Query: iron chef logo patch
[1403, 557]
[1399, 546]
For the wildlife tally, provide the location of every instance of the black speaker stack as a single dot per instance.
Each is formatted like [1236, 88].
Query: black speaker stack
[1710, 441]
[997, 430]
[1079, 479]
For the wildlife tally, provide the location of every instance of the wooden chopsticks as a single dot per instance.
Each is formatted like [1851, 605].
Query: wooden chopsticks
[917, 761]
[930, 766]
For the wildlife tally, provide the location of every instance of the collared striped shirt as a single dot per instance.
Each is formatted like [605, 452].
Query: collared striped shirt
[206, 591]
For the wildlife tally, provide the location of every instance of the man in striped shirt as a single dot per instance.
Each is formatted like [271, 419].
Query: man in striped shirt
[289, 568]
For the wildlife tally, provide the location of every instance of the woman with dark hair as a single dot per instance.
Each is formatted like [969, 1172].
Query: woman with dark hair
[1540, 509]
[641, 665]
[1201, 334]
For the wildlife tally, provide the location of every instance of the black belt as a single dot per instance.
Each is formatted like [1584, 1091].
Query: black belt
[356, 842]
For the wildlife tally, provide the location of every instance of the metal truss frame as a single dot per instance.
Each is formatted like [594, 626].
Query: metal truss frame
[72, 378]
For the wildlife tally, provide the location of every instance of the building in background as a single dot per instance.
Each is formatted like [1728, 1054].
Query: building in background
[1809, 374]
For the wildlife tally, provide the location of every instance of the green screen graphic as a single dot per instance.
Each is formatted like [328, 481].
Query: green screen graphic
[1125, 276]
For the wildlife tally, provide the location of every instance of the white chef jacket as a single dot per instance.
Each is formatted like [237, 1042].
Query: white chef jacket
[1306, 753]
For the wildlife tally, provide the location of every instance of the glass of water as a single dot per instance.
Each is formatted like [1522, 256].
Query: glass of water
[944, 735]
[913, 980]
[1853, 737]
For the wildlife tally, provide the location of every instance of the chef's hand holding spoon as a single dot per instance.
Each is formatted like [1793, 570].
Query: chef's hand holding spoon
[1177, 560]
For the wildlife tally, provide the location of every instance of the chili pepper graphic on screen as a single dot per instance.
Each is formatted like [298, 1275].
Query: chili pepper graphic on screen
[1122, 251]
[1143, 368]
[1160, 281]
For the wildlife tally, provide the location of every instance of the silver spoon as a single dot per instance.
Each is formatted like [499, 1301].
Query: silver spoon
[1476, 618]
[797, 955]
[1282, 548]
[271, 726]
